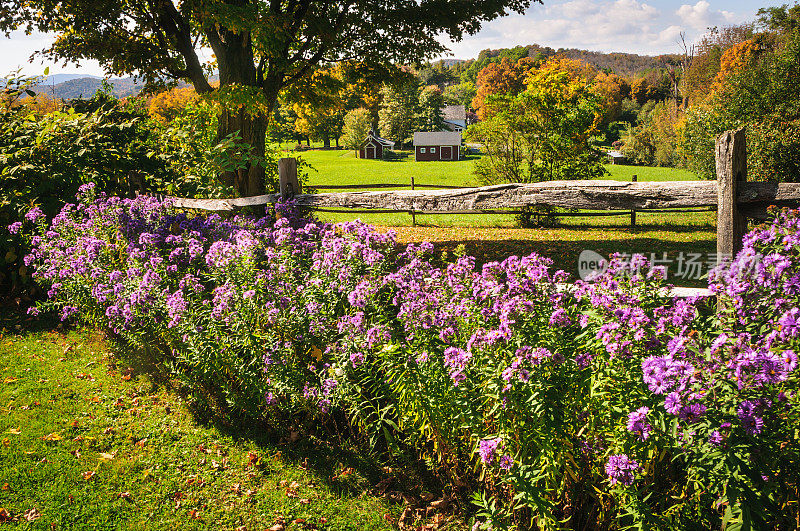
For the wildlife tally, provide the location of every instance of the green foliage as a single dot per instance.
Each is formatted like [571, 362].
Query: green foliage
[460, 94]
[653, 142]
[398, 111]
[541, 134]
[429, 111]
[357, 124]
[764, 97]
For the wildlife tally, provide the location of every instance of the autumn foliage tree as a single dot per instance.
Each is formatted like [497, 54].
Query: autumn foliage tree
[504, 77]
[544, 132]
[259, 46]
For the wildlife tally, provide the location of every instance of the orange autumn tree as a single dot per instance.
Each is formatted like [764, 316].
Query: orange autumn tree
[504, 77]
[734, 59]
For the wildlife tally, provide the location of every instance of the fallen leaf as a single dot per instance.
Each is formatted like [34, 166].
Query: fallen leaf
[126, 496]
[5, 516]
[277, 527]
[6, 486]
[89, 474]
[252, 459]
[14, 431]
[294, 485]
[32, 514]
[76, 453]
[105, 457]
[305, 501]
[74, 424]
[10, 379]
[53, 437]
[193, 514]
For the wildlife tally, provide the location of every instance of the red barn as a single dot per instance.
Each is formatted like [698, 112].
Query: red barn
[372, 147]
[439, 145]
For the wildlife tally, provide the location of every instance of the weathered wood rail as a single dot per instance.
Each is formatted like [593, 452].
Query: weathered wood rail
[589, 195]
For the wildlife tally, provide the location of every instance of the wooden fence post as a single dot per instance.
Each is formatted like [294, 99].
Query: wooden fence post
[731, 158]
[413, 214]
[287, 177]
[634, 179]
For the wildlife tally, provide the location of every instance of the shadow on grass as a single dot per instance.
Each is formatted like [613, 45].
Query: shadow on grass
[565, 252]
[324, 448]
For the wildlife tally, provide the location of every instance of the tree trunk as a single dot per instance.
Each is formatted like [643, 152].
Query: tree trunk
[249, 180]
[235, 59]
[326, 142]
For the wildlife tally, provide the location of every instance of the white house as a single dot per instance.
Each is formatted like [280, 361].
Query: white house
[455, 117]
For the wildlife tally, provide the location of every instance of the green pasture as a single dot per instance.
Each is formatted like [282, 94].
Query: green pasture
[340, 167]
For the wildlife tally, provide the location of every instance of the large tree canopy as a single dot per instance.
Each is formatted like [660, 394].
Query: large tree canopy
[259, 46]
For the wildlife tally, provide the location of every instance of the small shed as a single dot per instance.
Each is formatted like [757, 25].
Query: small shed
[439, 145]
[372, 147]
[615, 157]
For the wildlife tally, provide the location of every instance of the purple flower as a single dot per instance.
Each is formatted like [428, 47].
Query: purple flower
[691, 413]
[672, 403]
[506, 462]
[487, 450]
[356, 359]
[620, 469]
[34, 214]
[637, 423]
[750, 414]
[15, 227]
[716, 438]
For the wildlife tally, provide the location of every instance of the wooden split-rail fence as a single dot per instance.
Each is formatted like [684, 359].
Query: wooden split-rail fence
[734, 199]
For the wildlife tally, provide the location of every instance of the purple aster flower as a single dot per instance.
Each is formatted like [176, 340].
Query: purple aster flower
[637, 423]
[15, 227]
[673, 403]
[34, 214]
[715, 438]
[487, 450]
[620, 469]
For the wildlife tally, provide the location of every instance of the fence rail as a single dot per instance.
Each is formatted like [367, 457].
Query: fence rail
[734, 199]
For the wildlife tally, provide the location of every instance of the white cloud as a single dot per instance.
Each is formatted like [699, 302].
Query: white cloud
[635, 26]
[700, 16]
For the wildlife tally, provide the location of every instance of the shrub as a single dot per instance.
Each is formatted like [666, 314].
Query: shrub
[603, 404]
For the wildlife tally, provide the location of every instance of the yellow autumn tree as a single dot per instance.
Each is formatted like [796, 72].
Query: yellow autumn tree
[165, 106]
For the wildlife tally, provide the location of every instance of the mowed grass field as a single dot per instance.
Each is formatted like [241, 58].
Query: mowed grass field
[89, 442]
[493, 237]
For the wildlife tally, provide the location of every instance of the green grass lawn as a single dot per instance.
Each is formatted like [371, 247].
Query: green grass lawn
[493, 237]
[88, 443]
[338, 167]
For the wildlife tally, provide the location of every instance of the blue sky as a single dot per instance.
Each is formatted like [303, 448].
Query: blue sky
[637, 26]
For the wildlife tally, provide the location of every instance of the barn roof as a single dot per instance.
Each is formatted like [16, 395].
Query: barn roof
[454, 112]
[373, 136]
[438, 138]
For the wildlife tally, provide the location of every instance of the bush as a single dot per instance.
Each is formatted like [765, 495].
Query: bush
[607, 404]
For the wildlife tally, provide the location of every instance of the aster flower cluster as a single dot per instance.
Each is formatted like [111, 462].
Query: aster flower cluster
[262, 317]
